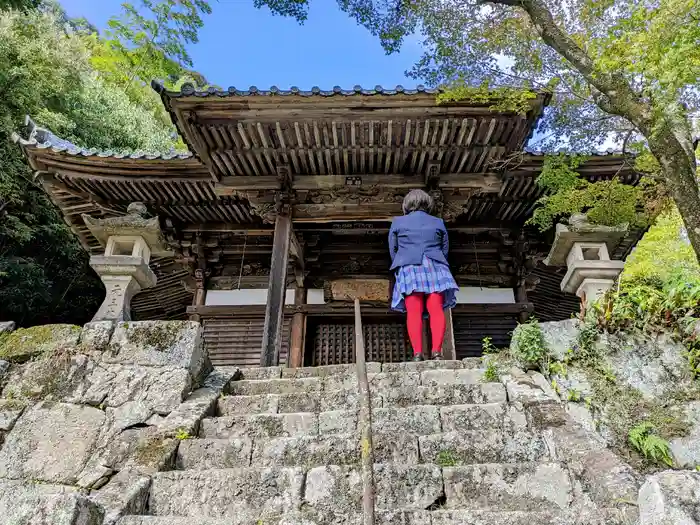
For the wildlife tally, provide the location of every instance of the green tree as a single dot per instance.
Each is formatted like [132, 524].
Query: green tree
[46, 72]
[626, 70]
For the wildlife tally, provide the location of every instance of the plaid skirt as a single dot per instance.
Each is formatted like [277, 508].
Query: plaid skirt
[428, 277]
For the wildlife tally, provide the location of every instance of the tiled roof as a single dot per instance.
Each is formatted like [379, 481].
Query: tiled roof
[41, 138]
[188, 90]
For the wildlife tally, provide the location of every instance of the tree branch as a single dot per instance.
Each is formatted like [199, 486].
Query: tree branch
[621, 98]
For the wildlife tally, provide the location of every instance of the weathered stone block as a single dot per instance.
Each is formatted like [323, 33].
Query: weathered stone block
[203, 454]
[670, 498]
[188, 415]
[302, 402]
[528, 388]
[367, 290]
[307, 451]
[481, 446]
[260, 373]
[444, 395]
[95, 336]
[126, 493]
[419, 420]
[51, 442]
[451, 377]
[242, 496]
[260, 426]
[246, 405]
[10, 410]
[474, 417]
[407, 487]
[337, 422]
[31, 503]
[686, 450]
[161, 388]
[7, 326]
[398, 448]
[276, 386]
[158, 343]
[420, 366]
[23, 344]
[329, 370]
[331, 400]
[524, 487]
[336, 488]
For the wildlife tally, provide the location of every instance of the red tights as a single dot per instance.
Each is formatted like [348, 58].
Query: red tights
[414, 320]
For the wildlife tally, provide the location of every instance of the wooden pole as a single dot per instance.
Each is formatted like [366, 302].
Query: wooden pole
[364, 422]
[521, 297]
[296, 345]
[449, 352]
[272, 332]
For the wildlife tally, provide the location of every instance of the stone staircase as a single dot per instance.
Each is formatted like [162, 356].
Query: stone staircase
[450, 448]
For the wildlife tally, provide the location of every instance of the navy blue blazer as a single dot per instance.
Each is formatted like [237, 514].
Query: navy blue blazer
[414, 235]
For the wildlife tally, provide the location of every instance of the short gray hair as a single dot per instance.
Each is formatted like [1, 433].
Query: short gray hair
[417, 200]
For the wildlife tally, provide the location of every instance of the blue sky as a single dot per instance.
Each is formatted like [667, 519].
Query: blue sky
[242, 46]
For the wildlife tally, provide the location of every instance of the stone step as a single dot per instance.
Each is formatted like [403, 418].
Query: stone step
[279, 372]
[418, 420]
[248, 494]
[508, 487]
[379, 381]
[438, 517]
[470, 447]
[347, 399]
[446, 449]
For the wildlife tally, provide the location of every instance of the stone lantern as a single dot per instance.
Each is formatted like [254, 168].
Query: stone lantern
[584, 249]
[129, 243]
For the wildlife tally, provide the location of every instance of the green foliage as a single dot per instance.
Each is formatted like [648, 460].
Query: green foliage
[182, 434]
[646, 442]
[46, 71]
[608, 203]
[620, 71]
[528, 345]
[487, 346]
[498, 99]
[491, 373]
[447, 458]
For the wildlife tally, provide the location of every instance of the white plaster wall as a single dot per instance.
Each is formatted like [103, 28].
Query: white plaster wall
[476, 295]
[242, 297]
[314, 296]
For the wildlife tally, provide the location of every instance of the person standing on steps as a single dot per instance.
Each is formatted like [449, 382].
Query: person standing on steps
[418, 245]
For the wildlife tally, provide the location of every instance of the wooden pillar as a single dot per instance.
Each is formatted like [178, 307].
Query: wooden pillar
[298, 331]
[521, 297]
[200, 278]
[274, 311]
[449, 352]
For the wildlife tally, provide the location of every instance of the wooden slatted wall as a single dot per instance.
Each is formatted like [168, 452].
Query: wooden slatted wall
[470, 331]
[333, 342]
[237, 341]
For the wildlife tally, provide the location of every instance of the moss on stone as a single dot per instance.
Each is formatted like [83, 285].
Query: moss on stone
[153, 451]
[26, 343]
[159, 336]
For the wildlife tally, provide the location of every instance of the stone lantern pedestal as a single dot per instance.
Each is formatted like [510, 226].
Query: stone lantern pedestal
[584, 249]
[129, 242]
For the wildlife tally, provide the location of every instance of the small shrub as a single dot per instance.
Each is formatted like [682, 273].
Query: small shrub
[646, 442]
[487, 346]
[447, 458]
[491, 373]
[574, 396]
[528, 346]
[182, 434]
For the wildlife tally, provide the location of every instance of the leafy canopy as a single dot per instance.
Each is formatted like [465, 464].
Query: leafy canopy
[47, 70]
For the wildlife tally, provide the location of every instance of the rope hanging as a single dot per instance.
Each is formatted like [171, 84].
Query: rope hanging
[240, 274]
[478, 269]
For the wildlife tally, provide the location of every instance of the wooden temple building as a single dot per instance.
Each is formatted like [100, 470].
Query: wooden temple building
[283, 192]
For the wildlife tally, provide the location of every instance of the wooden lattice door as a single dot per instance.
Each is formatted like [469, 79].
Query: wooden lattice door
[333, 342]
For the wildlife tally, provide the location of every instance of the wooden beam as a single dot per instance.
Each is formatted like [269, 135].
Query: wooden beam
[487, 182]
[343, 310]
[449, 351]
[274, 310]
[345, 212]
